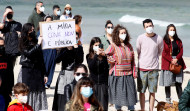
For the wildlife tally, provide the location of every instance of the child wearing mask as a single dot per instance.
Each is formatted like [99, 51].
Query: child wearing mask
[20, 103]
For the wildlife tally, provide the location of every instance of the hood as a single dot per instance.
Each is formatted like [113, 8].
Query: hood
[15, 101]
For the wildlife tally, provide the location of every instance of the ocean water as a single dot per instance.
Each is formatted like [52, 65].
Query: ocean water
[129, 13]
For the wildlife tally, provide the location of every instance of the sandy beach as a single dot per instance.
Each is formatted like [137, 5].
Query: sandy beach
[160, 95]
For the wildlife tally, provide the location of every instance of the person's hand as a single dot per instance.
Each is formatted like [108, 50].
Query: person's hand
[40, 39]
[135, 76]
[45, 80]
[98, 52]
[76, 46]
[7, 11]
[70, 47]
[174, 61]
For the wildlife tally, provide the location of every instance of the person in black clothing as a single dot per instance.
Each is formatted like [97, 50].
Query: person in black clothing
[70, 56]
[11, 31]
[56, 12]
[99, 70]
[5, 87]
[79, 72]
[33, 72]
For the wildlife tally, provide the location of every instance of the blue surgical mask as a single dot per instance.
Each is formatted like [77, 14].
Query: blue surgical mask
[86, 91]
[58, 12]
[68, 12]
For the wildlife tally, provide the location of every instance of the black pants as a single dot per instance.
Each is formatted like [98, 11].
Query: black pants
[178, 89]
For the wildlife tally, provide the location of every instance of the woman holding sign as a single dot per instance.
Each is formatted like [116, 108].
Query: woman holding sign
[33, 72]
[69, 56]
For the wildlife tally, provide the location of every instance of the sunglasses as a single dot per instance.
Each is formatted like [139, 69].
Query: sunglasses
[110, 27]
[83, 74]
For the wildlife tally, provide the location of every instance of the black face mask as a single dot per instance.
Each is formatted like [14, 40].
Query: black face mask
[32, 34]
[2, 50]
[9, 16]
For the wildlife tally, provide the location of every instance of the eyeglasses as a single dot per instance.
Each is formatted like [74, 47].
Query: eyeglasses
[83, 74]
[110, 27]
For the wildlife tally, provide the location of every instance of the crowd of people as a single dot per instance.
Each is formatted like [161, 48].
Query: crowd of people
[110, 60]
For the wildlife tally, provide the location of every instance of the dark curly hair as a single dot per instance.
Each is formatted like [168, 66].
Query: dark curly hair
[115, 35]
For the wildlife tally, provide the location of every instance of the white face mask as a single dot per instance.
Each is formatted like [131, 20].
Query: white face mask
[109, 31]
[58, 12]
[42, 9]
[122, 36]
[149, 30]
[171, 33]
[23, 99]
[95, 48]
[78, 77]
[68, 12]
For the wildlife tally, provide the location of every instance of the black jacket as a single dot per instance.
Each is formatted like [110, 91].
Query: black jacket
[99, 69]
[32, 56]
[11, 37]
[33, 68]
[68, 90]
[70, 58]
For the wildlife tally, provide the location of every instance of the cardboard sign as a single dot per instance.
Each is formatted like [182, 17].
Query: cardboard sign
[58, 34]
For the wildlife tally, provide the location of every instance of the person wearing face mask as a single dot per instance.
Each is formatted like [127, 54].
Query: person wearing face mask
[99, 71]
[172, 53]
[70, 57]
[33, 72]
[78, 22]
[107, 39]
[122, 88]
[11, 31]
[83, 97]
[56, 12]
[79, 72]
[67, 14]
[5, 75]
[37, 15]
[20, 103]
[49, 56]
[149, 47]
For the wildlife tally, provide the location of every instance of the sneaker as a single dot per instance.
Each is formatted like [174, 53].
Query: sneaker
[47, 87]
[168, 100]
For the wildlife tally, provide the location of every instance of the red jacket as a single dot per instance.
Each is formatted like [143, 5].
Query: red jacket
[167, 58]
[15, 106]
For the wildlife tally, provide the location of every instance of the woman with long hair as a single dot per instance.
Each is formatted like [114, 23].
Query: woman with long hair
[122, 88]
[172, 54]
[67, 14]
[83, 98]
[78, 22]
[99, 70]
[33, 72]
[79, 72]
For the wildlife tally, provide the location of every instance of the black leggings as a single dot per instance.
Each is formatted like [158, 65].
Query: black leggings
[178, 89]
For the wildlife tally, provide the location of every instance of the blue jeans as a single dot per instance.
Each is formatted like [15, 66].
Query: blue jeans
[117, 107]
[49, 61]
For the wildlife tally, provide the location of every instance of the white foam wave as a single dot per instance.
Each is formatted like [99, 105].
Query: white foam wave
[138, 20]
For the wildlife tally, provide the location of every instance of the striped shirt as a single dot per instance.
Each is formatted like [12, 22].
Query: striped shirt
[123, 62]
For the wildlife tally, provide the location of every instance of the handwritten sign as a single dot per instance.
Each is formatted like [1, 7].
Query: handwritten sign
[58, 34]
